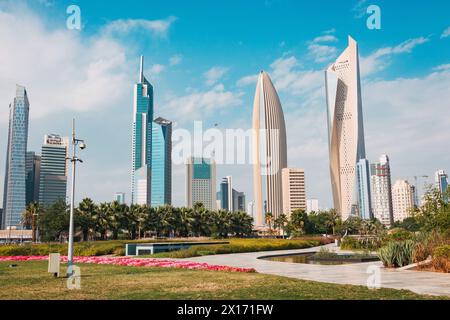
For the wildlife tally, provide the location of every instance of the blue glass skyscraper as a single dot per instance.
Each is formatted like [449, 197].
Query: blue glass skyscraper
[14, 194]
[142, 131]
[161, 162]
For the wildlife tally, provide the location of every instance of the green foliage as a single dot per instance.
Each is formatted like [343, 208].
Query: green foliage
[397, 253]
[361, 243]
[53, 222]
[434, 215]
[442, 252]
[399, 234]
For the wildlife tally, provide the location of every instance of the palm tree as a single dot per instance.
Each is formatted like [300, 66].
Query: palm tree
[30, 218]
[101, 220]
[269, 219]
[281, 222]
[332, 220]
[86, 212]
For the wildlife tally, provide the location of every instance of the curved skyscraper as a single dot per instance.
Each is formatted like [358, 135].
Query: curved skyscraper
[346, 131]
[269, 150]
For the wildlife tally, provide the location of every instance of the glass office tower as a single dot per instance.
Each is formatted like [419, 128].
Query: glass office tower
[53, 178]
[161, 163]
[14, 194]
[142, 130]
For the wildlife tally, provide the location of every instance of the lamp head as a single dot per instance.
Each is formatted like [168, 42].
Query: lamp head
[82, 145]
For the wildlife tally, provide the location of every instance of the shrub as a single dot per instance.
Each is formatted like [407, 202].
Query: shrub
[441, 259]
[399, 234]
[426, 244]
[397, 253]
[360, 243]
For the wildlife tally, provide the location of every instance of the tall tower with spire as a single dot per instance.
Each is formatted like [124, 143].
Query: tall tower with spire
[142, 139]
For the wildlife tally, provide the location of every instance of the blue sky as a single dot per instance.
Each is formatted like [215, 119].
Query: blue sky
[201, 57]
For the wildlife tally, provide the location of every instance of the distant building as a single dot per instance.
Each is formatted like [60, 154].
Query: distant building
[382, 191]
[251, 209]
[225, 194]
[312, 205]
[239, 201]
[14, 191]
[142, 189]
[364, 193]
[402, 200]
[161, 163]
[201, 182]
[53, 175]
[294, 194]
[441, 179]
[33, 172]
[119, 197]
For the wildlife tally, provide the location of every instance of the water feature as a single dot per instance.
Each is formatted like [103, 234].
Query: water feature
[313, 258]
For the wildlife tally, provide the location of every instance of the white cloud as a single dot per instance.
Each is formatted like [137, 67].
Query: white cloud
[442, 67]
[156, 69]
[360, 8]
[320, 49]
[124, 26]
[214, 74]
[379, 60]
[176, 59]
[65, 72]
[198, 105]
[325, 38]
[446, 33]
[247, 80]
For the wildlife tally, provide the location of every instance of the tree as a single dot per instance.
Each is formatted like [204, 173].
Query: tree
[299, 222]
[269, 219]
[434, 214]
[101, 220]
[54, 221]
[281, 222]
[30, 218]
[332, 220]
[84, 218]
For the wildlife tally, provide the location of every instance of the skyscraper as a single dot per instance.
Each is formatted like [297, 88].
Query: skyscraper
[226, 194]
[364, 196]
[294, 194]
[142, 131]
[53, 177]
[441, 179]
[32, 181]
[269, 150]
[120, 197]
[382, 191]
[14, 194]
[345, 128]
[402, 200]
[228, 198]
[201, 182]
[312, 205]
[161, 163]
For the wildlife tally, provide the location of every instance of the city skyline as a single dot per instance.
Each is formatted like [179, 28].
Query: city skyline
[393, 67]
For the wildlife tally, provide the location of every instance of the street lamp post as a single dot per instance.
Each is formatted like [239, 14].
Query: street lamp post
[75, 142]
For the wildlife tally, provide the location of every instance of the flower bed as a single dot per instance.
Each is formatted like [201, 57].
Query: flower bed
[131, 262]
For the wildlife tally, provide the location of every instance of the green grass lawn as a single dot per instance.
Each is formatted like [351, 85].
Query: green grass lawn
[30, 280]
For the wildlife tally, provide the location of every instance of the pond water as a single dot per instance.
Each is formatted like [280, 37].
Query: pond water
[306, 258]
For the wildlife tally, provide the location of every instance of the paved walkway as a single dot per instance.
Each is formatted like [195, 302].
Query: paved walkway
[355, 274]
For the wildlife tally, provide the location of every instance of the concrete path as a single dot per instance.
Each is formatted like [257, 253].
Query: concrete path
[421, 282]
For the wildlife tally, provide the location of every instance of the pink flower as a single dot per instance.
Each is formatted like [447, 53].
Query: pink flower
[131, 262]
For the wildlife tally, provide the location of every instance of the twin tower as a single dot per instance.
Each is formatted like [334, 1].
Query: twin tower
[345, 134]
